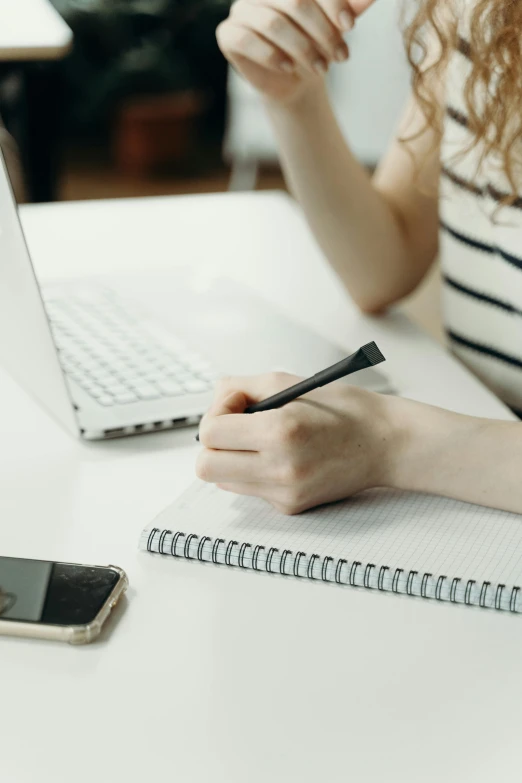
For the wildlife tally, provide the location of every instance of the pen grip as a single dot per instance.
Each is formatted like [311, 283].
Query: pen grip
[284, 397]
[353, 363]
[366, 356]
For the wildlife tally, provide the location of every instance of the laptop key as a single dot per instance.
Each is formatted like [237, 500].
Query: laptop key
[119, 357]
[195, 387]
[124, 399]
[130, 376]
[146, 392]
[153, 376]
[115, 388]
[170, 388]
[105, 400]
[186, 377]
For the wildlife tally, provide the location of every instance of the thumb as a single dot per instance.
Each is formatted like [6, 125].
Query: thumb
[254, 388]
[236, 402]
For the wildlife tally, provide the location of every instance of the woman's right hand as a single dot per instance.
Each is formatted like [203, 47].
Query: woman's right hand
[282, 47]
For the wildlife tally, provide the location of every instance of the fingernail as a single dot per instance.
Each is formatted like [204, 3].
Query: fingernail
[346, 20]
[287, 67]
[320, 67]
[341, 53]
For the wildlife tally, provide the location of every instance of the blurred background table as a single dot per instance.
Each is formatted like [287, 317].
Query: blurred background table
[33, 37]
[32, 30]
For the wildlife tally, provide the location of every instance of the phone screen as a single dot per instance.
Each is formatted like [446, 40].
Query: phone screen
[38, 591]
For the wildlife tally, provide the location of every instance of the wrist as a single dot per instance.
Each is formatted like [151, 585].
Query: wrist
[400, 442]
[424, 442]
[303, 102]
[410, 446]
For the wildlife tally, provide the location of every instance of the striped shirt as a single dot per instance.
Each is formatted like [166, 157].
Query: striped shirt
[481, 251]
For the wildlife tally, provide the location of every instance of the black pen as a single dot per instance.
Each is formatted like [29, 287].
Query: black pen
[367, 356]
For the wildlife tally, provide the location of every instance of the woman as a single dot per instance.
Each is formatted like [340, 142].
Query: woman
[451, 184]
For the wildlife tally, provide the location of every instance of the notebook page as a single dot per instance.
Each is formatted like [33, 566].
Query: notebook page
[386, 527]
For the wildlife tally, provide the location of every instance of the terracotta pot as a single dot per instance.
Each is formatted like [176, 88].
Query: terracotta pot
[154, 130]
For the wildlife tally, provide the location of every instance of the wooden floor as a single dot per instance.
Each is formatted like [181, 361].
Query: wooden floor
[92, 178]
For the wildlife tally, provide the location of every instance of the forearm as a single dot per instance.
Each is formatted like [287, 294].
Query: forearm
[462, 457]
[354, 224]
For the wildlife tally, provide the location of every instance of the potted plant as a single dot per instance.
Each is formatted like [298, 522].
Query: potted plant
[148, 69]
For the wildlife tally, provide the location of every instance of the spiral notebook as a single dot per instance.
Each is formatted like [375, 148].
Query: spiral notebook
[382, 540]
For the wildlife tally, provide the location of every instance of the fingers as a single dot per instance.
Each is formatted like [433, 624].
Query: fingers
[226, 466]
[233, 402]
[283, 34]
[255, 387]
[339, 12]
[280, 33]
[222, 428]
[240, 42]
[312, 20]
[235, 433]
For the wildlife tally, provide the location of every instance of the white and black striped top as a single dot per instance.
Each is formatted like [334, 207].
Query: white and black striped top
[481, 251]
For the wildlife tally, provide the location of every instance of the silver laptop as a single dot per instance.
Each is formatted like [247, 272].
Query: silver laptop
[115, 357]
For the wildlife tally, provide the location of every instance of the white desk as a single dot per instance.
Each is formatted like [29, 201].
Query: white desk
[32, 30]
[217, 675]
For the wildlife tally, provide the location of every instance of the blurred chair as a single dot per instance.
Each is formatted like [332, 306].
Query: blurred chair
[11, 156]
[368, 93]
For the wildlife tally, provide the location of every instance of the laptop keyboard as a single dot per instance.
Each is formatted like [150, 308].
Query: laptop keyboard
[118, 357]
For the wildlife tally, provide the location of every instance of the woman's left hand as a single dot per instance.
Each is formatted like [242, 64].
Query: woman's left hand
[325, 446]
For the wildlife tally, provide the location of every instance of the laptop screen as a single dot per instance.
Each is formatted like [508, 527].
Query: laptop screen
[27, 350]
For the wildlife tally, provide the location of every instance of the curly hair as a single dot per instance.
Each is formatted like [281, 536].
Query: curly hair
[493, 90]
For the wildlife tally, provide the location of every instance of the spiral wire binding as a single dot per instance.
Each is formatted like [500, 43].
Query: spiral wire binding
[416, 582]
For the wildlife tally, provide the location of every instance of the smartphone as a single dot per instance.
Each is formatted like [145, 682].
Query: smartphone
[65, 602]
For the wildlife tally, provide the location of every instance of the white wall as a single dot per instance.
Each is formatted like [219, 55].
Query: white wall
[368, 92]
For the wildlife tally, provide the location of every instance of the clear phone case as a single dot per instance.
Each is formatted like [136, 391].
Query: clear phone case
[73, 634]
